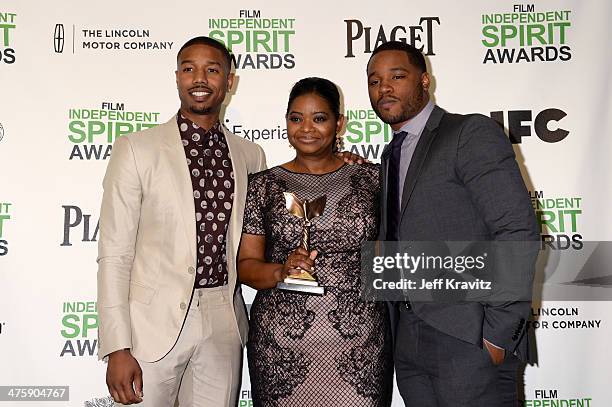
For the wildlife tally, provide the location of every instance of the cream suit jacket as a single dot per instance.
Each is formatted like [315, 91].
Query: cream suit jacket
[147, 244]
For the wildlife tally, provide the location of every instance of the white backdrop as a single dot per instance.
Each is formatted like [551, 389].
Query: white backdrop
[64, 62]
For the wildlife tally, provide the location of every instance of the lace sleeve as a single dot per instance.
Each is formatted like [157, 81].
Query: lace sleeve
[253, 222]
[374, 173]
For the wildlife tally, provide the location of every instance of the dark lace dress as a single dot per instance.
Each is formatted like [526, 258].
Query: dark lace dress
[309, 350]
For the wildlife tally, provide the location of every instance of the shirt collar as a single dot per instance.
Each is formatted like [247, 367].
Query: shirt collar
[416, 125]
[215, 132]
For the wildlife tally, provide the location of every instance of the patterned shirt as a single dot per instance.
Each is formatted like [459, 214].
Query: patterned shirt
[212, 179]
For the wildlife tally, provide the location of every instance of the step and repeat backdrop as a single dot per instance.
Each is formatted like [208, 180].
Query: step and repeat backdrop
[74, 76]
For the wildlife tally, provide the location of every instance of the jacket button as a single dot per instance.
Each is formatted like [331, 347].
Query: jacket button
[191, 270]
[183, 305]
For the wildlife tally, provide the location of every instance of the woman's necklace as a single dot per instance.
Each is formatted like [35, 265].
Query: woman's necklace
[303, 169]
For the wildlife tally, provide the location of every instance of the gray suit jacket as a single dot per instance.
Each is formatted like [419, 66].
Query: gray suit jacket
[463, 184]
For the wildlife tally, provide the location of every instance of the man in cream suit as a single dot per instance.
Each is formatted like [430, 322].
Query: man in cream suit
[170, 226]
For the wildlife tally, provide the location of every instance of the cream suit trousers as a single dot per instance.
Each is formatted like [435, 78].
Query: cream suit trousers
[210, 345]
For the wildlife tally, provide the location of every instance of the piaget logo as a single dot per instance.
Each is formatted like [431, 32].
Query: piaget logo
[79, 226]
[5, 217]
[254, 41]
[558, 218]
[366, 135]
[526, 35]
[7, 27]
[92, 131]
[79, 326]
[362, 38]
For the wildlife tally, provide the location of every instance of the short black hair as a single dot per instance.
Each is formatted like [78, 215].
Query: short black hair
[414, 55]
[202, 40]
[319, 86]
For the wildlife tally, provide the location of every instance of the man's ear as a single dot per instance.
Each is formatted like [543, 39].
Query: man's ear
[425, 80]
[230, 81]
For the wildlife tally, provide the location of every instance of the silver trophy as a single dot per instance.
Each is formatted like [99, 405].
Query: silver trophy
[307, 211]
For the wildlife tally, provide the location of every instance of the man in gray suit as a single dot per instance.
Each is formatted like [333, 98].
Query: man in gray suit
[450, 177]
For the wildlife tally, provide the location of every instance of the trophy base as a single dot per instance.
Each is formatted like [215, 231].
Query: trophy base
[303, 288]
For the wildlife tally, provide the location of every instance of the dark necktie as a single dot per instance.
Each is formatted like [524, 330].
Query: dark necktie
[393, 186]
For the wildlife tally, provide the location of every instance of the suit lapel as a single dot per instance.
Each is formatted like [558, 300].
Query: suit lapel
[420, 155]
[239, 168]
[181, 180]
[386, 151]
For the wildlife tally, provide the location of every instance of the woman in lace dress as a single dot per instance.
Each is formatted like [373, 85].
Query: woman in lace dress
[314, 350]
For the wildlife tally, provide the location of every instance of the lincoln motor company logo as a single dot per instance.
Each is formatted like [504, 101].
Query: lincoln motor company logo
[58, 38]
[100, 39]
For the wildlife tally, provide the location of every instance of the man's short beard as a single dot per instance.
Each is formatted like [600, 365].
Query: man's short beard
[400, 118]
[201, 112]
[408, 111]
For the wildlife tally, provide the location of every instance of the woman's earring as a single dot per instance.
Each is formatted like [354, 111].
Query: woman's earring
[339, 143]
